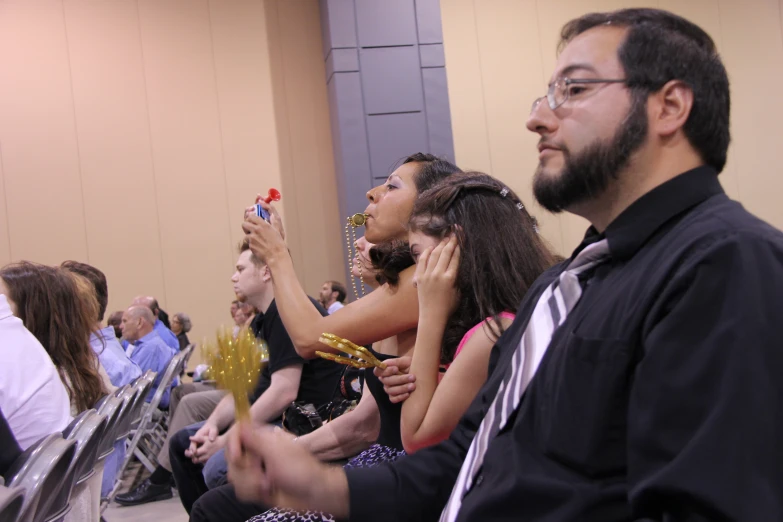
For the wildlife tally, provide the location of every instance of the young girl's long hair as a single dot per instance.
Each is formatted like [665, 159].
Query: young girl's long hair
[501, 250]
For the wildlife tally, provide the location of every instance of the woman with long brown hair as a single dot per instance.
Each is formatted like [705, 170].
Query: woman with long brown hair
[52, 308]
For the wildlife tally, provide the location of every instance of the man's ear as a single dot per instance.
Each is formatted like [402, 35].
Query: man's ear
[670, 108]
[266, 274]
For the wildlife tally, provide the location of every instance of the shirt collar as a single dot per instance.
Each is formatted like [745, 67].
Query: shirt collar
[107, 333]
[258, 320]
[147, 338]
[631, 229]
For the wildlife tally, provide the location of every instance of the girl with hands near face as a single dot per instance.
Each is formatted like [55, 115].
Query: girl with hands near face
[477, 253]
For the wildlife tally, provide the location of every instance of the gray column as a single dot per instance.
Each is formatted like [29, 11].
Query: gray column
[388, 98]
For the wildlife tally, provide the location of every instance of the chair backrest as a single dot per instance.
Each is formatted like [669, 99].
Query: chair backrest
[172, 370]
[143, 385]
[74, 425]
[111, 409]
[43, 475]
[87, 438]
[188, 352]
[100, 402]
[11, 501]
[127, 395]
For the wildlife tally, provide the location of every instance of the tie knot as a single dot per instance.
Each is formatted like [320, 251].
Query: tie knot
[591, 256]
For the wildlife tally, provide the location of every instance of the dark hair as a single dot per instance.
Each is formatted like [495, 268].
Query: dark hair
[50, 306]
[338, 287]
[96, 278]
[660, 47]
[391, 258]
[501, 252]
[154, 307]
[114, 320]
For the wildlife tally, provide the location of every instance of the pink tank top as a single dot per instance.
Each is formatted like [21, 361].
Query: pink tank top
[468, 335]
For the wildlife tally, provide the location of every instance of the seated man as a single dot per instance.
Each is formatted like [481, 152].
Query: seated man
[146, 348]
[196, 452]
[640, 379]
[162, 330]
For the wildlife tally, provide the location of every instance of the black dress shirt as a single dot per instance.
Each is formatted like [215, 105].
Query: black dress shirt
[320, 377]
[659, 398]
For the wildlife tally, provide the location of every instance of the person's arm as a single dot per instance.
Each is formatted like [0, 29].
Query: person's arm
[705, 411]
[376, 316]
[434, 409]
[414, 488]
[9, 448]
[223, 414]
[281, 392]
[348, 434]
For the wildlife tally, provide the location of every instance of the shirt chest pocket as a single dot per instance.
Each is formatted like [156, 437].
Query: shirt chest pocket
[582, 402]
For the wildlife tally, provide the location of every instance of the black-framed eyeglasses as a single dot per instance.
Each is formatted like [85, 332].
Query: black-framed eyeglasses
[560, 90]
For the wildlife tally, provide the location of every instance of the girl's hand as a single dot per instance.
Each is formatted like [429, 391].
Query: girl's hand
[436, 277]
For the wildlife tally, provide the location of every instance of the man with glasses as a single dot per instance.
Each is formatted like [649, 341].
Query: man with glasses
[641, 377]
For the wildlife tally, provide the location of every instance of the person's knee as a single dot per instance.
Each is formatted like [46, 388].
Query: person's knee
[216, 470]
[178, 443]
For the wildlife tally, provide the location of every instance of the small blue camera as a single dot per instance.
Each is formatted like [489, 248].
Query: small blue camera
[260, 212]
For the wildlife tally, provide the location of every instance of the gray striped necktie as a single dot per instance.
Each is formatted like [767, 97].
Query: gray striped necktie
[550, 312]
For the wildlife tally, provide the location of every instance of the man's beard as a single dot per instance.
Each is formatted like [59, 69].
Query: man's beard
[587, 174]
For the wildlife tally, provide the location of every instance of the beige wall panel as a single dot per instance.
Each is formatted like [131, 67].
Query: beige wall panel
[244, 91]
[753, 54]
[37, 133]
[112, 123]
[511, 66]
[5, 241]
[189, 175]
[312, 219]
[466, 89]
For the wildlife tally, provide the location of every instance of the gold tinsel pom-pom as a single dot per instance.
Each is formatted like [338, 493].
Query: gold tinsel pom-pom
[235, 364]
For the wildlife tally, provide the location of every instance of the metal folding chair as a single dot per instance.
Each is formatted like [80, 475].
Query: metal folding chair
[11, 501]
[147, 427]
[42, 472]
[111, 408]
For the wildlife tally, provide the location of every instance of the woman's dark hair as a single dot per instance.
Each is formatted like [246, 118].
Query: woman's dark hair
[395, 256]
[96, 278]
[660, 47]
[49, 304]
[501, 251]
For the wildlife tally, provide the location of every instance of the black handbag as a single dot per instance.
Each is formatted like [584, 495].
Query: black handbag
[301, 418]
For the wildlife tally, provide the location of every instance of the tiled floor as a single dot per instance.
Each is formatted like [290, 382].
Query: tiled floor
[164, 511]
